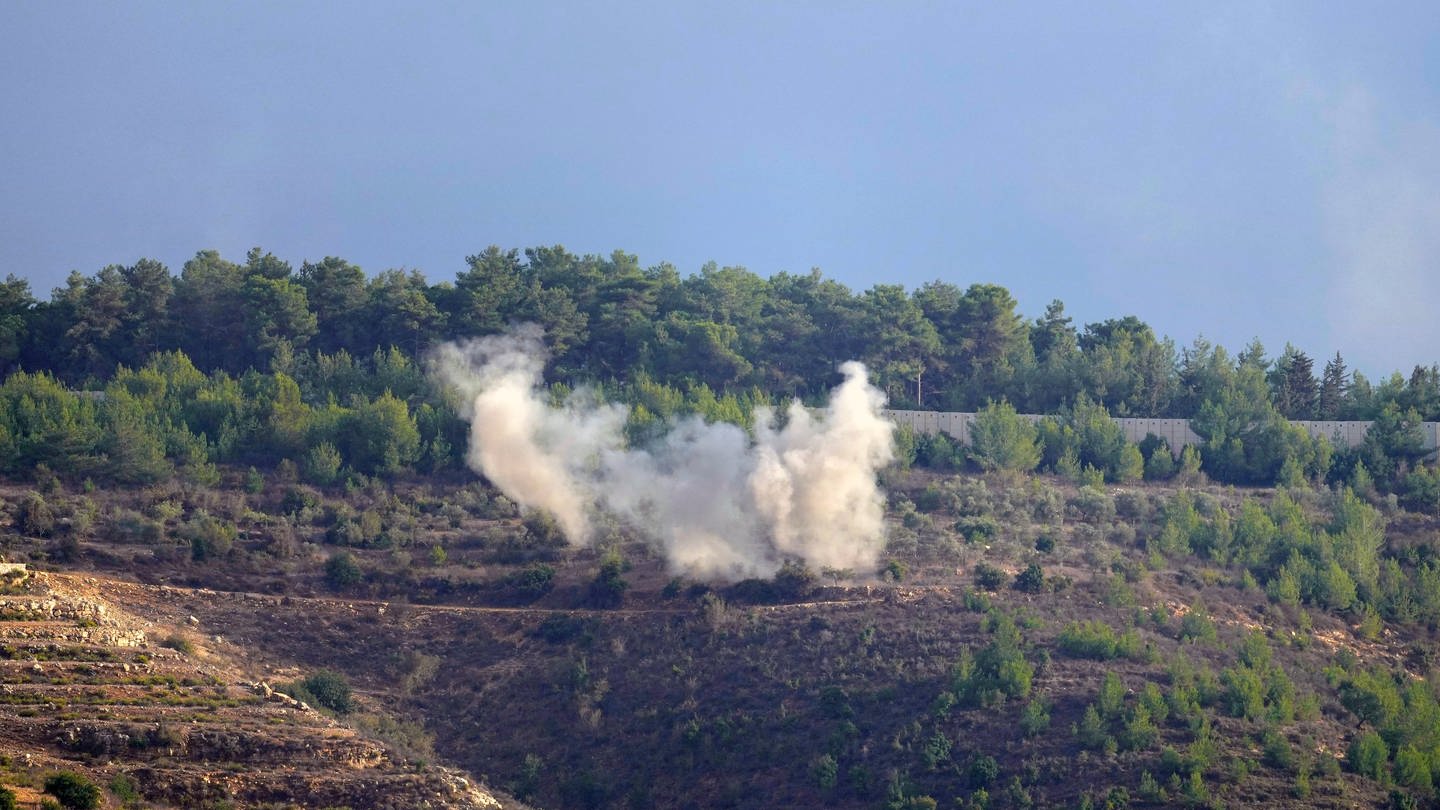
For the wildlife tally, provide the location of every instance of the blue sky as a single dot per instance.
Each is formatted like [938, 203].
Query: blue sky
[1233, 170]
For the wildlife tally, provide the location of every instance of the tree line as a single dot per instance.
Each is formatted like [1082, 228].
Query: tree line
[939, 347]
[718, 342]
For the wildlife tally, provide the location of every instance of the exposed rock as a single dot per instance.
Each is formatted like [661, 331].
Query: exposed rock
[174, 725]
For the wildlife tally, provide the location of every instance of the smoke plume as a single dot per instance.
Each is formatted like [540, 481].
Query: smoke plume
[719, 503]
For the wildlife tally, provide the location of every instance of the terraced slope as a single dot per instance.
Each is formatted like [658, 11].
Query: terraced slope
[89, 688]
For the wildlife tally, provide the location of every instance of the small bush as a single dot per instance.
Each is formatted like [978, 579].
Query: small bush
[983, 771]
[976, 601]
[178, 643]
[1097, 641]
[1132, 506]
[1368, 755]
[35, 517]
[894, 571]
[342, 571]
[825, 771]
[1277, 751]
[328, 689]
[1197, 625]
[533, 581]
[794, 581]
[124, 788]
[1092, 504]
[1035, 717]
[977, 529]
[322, 464]
[73, 791]
[254, 481]
[989, 577]
[210, 537]
[972, 496]
[561, 628]
[933, 499]
[609, 586]
[543, 529]
[1031, 580]
[298, 500]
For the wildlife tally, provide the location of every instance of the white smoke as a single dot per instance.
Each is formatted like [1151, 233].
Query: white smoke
[717, 503]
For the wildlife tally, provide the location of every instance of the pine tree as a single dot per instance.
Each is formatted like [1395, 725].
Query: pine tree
[1295, 388]
[1334, 389]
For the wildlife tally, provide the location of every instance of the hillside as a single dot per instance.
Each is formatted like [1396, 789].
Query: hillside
[116, 686]
[1137, 663]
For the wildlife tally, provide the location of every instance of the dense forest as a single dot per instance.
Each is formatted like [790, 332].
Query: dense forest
[322, 367]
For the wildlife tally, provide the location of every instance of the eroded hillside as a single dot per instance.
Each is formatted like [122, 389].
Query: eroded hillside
[95, 680]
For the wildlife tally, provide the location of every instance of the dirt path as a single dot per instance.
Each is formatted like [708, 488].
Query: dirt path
[131, 592]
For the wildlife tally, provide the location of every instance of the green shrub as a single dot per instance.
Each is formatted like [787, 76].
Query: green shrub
[560, 628]
[1035, 717]
[1131, 465]
[1002, 440]
[794, 581]
[210, 537]
[328, 689]
[1412, 769]
[983, 771]
[1132, 506]
[1092, 504]
[609, 586]
[1160, 464]
[322, 464]
[1277, 751]
[936, 751]
[178, 643]
[826, 772]
[1046, 502]
[1196, 624]
[1031, 580]
[342, 571]
[254, 481]
[998, 671]
[529, 780]
[533, 581]
[543, 528]
[989, 577]
[976, 601]
[35, 517]
[124, 788]
[1092, 732]
[73, 791]
[1097, 641]
[938, 452]
[1368, 755]
[977, 529]
[932, 499]
[1244, 694]
[894, 571]
[298, 499]
[1400, 800]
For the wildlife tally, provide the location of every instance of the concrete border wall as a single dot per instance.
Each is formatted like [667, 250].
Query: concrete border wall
[1176, 432]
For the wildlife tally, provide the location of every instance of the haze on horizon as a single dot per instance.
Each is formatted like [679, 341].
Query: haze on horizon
[1235, 170]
